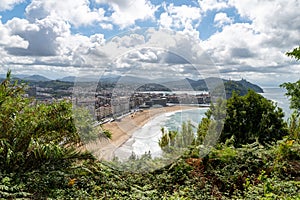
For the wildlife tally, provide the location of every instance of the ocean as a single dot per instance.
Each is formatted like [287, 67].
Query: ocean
[146, 138]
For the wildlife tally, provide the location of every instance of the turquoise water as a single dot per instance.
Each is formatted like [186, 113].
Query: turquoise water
[176, 119]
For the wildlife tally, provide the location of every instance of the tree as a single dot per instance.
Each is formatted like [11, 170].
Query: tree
[210, 127]
[177, 140]
[35, 135]
[252, 117]
[295, 53]
[293, 92]
[293, 89]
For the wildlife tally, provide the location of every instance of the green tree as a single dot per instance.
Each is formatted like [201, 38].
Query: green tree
[210, 127]
[177, 140]
[34, 135]
[293, 89]
[295, 53]
[293, 92]
[167, 141]
[84, 121]
[252, 117]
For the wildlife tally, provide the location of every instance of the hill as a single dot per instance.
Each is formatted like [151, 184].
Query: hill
[35, 78]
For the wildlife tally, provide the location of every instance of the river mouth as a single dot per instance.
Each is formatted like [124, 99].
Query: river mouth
[145, 139]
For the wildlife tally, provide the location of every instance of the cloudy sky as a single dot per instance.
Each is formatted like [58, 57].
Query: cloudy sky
[228, 38]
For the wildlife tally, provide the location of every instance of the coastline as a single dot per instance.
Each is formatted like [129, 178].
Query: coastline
[123, 129]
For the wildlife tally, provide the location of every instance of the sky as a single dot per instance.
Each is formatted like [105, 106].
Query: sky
[232, 39]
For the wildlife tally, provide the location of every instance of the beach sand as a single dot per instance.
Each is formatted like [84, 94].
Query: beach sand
[123, 129]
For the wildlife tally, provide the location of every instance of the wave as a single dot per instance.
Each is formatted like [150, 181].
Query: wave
[146, 138]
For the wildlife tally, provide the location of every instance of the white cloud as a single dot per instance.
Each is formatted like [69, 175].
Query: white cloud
[126, 13]
[207, 5]
[128, 41]
[280, 20]
[41, 36]
[182, 18]
[236, 44]
[47, 45]
[241, 51]
[76, 12]
[178, 16]
[159, 54]
[256, 50]
[106, 26]
[222, 19]
[6, 39]
[44, 39]
[17, 25]
[9, 4]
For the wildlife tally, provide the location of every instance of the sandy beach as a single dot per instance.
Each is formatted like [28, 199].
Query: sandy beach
[123, 129]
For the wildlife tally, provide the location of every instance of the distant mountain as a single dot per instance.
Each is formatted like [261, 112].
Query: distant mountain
[106, 79]
[68, 79]
[109, 79]
[183, 84]
[133, 80]
[35, 78]
[199, 85]
[241, 86]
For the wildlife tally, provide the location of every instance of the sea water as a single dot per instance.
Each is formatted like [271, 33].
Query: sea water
[277, 95]
[147, 137]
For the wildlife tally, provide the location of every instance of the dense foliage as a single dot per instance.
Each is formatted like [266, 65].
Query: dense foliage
[39, 159]
[35, 136]
[252, 117]
[248, 118]
[32, 134]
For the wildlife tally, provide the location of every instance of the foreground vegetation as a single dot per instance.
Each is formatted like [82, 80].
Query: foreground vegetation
[38, 158]
[256, 157]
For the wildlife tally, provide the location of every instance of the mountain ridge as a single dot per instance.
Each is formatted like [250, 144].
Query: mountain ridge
[241, 86]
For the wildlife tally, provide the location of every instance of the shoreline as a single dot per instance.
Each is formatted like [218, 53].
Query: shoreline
[123, 129]
[130, 123]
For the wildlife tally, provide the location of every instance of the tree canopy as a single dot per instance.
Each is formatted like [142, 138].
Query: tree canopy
[252, 117]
